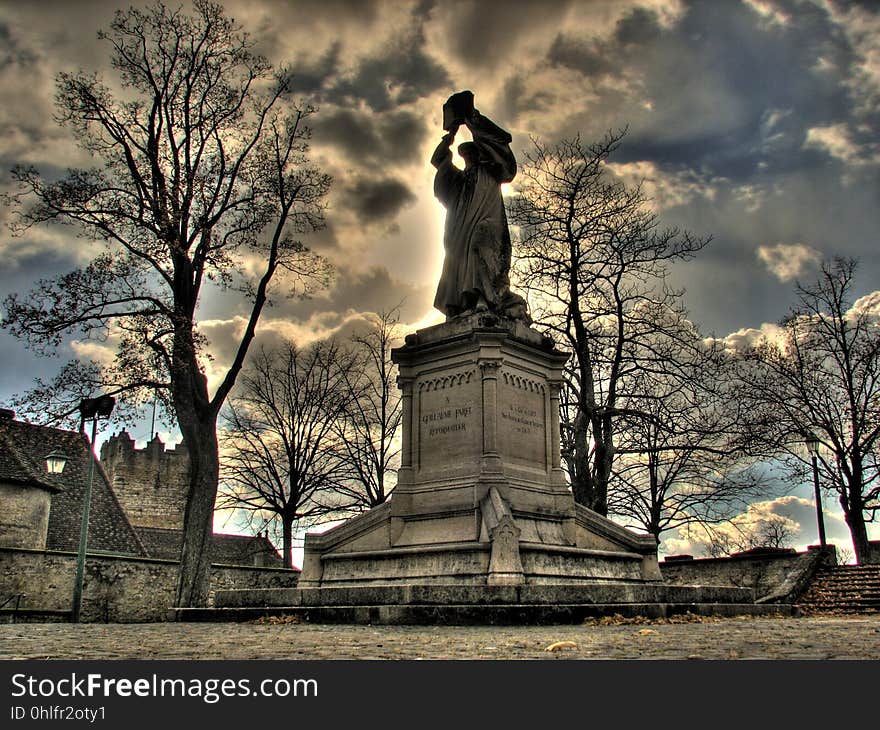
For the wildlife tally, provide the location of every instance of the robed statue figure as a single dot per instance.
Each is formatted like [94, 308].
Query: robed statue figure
[476, 239]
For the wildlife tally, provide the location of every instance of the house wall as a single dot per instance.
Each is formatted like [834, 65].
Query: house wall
[24, 516]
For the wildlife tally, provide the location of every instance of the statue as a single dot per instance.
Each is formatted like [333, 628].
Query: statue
[476, 239]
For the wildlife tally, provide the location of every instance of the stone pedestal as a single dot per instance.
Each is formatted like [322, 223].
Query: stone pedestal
[481, 497]
[480, 411]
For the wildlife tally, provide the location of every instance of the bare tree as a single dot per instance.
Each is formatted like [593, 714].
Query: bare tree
[845, 556]
[822, 377]
[282, 455]
[593, 261]
[775, 532]
[369, 428]
[679, 456]
[203, 177]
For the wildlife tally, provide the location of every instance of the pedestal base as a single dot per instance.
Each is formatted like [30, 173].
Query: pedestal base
[481, 498]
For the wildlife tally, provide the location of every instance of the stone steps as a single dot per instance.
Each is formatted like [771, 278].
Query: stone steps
[481, 604]
[847, 589]
[474, 614]
[460, 594]
[856, 582]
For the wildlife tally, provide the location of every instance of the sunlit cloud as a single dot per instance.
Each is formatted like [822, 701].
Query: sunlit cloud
[788, 261]
[868, 305]
[746, 337]
[769, 11]
[790, 520]
[861, 27]
[102, 353]
[665, 189]
[837, 141]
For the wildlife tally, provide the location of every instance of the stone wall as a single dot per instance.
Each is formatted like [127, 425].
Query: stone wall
[24, 517]
[115, 588]
[150, 483]
[764, 573]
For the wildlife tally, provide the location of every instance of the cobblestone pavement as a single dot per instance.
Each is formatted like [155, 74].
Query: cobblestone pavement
[855, 637]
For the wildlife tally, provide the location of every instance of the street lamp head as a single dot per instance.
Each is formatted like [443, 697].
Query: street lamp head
[812, 443]
[94, 407]
[55, 462]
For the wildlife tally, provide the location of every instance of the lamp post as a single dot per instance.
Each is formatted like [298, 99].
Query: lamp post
[88, 408]
[813, 447]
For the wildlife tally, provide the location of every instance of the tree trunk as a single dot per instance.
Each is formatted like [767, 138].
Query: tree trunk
[579, 464]
[855, 520]
[589, 482]
[200, 436]
[601, 473]
[581, 489]
[603, 434]
[287, 539]
[197, 419]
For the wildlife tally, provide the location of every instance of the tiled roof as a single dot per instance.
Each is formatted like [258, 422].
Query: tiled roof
[23, 449]
[20, 467]
[226, 549]
[242, 549]
[161, 542]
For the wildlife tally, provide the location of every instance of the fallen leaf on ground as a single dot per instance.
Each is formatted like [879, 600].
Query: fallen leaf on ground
[561, 645]
[273, 620]
[681, 618]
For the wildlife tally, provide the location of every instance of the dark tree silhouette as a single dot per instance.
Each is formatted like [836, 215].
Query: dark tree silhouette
[370, 426]
[680, 458]
[822, 377]
[593, 260]
[282, 455]
[203, 178]
[773, 532]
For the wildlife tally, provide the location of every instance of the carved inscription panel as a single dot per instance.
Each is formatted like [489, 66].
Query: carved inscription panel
[522, 434]
[450, 434]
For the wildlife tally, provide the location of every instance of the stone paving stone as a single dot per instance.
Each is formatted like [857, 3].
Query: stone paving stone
[749, 638]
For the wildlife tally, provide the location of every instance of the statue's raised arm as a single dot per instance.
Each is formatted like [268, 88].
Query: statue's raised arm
[476, 238]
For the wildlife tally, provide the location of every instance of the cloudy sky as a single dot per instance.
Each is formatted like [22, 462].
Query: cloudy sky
[753, 121]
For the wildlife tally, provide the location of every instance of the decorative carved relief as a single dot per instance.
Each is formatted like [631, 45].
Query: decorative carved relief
[523, 383]
[446, 381]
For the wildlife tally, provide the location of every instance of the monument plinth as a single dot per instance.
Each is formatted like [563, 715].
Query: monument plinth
[481, 497]
[480, 410]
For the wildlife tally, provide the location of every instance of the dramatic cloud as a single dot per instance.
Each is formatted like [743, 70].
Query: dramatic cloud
[860, 24]
[373, 290]
[375, 200]
[791, 519]
[367, 139]
[399, 74]
[768, 11]
[868, 305]
[743, 339]
[837, 141]
[788, 261]
[668, 189]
